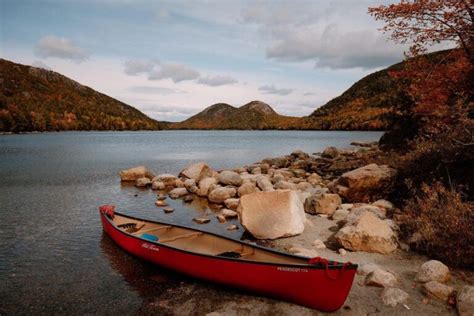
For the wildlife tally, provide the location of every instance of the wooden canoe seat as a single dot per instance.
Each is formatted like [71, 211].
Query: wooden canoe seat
[181, 237]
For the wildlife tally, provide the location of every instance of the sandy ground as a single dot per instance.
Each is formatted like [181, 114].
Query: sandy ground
[199, 298]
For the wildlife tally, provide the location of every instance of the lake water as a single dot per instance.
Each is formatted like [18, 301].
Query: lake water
[54, 257]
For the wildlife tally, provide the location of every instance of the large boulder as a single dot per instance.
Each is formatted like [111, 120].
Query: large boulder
[136, 173]
[380, 278]
[168, 179]
[299, 154]
[221, 194]
[465, 301]
[365, 183]
[368, 233]
[325, 203]
[279, 162]
[433, 270]
[247, 188]
[330, 152]
[228, 177]
[270, 215]
[264, 184]
[205, 185]
[196, 171]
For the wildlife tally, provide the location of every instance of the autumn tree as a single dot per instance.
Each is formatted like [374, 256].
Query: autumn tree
[441, 89]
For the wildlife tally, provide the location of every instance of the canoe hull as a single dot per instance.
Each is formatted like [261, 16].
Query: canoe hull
[325, 290]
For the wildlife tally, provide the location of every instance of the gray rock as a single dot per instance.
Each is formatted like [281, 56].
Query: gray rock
[393, 296]
[380, 278]
[433, 270]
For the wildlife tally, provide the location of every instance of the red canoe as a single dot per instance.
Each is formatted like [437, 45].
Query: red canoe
[315, 283]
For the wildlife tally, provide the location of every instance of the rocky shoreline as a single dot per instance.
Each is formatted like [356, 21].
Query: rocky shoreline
[330, 204]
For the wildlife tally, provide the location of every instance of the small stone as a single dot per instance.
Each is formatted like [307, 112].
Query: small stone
[433, 270]
[437, 290]
[392, 296]
[158, 185]
[232, 203]
[188, 199]
[367, 268]
[168, 210]
[221, 218]
[228, 213]
[232, 227]
[380, 278]
[465, 301]
[201, 220]
[177, 193]
[342, 251]
[319, 244]
[161, 203]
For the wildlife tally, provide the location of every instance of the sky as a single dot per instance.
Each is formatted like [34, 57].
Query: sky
[172, 59]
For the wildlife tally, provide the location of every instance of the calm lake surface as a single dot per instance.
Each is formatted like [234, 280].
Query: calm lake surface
[54, 257]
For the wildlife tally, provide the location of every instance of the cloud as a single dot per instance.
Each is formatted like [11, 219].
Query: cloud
[309, 94]
[136, 67]
[173, 71]
[154, 90]
[217, 80]
[273, 90]
[60, 47]
[40, 64]
[320, 32]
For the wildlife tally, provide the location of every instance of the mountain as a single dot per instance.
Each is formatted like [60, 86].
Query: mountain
[36, 99]
[253, 115]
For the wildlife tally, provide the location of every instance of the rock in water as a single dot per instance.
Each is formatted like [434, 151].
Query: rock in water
[465, 301]
[168, 210]
[201, 220]
[270, 215]
[232, 227]
[219, 195]
[437, 290]
[228, 177]
[368, 233]
[204, 186]
[142, 182]
[188, 199]
[228, 213]
[433, 270]
[177, 193]
[364, 182]
[168, 179]
[330, 152]
[381, 278]
[161, 203]
[196, 171]
[135, 173]
[325, 203]
[392, 296]
[232, 203]
[158, 185]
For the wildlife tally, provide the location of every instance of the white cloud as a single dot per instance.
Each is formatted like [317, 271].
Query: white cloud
[154, 90]
[174, 71]
[217, 80]
[136, 67]
[273, 90]
[60, 47]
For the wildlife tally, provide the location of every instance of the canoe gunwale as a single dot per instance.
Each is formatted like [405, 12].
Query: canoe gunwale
[317, 266]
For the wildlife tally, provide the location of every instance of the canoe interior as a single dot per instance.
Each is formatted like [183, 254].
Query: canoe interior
[200, 242]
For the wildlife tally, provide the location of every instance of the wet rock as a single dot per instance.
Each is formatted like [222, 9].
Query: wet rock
[232, 227]
[188, 199]
[340, 215]
[392, 296]
[228, 177]
[380, 278]
[201, 220]
[177, 193]
[330, 152]
[247, 188]
[135, 173]
[285, 185]
[300, 154]
[264, 184]
[158, 185]
[437, 290]
[179, 183]
[314, 179]
[300, 251]
[142, 182]
[228, 213]
[168, 179]
[196, 171]
[433, 270]
[365, 269]
[221, 218]
[271, 215]
[368, 233]
[465, 301]
[168, 210]
[221, 194]
[363, 183]
[232, 203]
[319, 244]
[204, 186]
[161, 196]
[325, 203]
[161, 203]
[189, 183]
